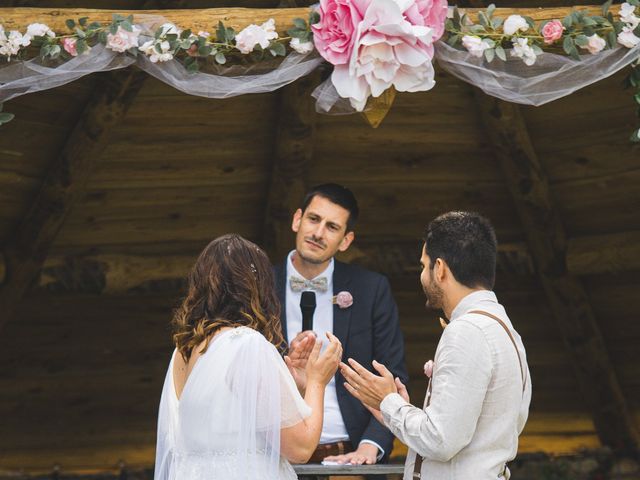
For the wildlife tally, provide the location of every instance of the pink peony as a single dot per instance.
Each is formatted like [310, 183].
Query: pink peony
[344, 300]
[334, 35]
[552, 31]
[69, 45]
[429, 13]
[388, 51]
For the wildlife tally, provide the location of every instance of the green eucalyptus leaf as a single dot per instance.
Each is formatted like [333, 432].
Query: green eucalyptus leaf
[582, 40]
[484, 21]
[536, 49]
[81, 46]
[220, 58]
[489, 54]
[6, 117]
[606, 6]
[300, 23]
[70, 24]
[567, 21]
[221, 33]
[500, 53]
[490, 10]
[205, 50]
[612, 39]
[83, 21]
[496, 22]
[80, 33]
[574, 53]
[230, 34]
[113, 28]
[588, 31]
[314, 17]
[567, 45]
[277, 49]
[530, 21]
[185, 33]
[589, 22]
[453, 40]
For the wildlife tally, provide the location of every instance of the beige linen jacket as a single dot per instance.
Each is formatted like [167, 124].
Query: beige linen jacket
[478, 408]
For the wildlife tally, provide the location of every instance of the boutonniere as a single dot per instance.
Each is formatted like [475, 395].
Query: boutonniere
[343, 300]
[428, 368]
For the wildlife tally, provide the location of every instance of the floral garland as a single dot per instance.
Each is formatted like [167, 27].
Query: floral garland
[374, 45]
[576, 33]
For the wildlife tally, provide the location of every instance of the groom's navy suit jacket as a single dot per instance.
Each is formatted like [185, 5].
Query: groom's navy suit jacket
[369, 330]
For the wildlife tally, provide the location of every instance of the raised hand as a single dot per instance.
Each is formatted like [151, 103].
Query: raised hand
[299, 351]
[370, 389]
[322, 367]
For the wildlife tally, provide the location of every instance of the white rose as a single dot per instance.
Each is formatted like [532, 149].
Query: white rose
[301, 47]
[12, 44]
[596, 44]
[123, 39]
[149, 49]
[627, 15]
[170, 28]
[39, 30]
[514, 24]
[627, 38]
[475, 45]
[523, 50]
[254, 35]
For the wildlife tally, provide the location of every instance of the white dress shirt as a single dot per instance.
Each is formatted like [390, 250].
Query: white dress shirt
[333, 428]
[470, 428]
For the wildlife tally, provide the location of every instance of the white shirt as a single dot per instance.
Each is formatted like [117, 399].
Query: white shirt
[470, 428]
[333, 428]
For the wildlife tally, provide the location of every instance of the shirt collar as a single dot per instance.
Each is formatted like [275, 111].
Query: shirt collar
[473, 301]
[328, 272]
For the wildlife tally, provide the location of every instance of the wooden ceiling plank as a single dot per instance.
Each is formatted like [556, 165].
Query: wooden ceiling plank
[568, 300]
[27, 249]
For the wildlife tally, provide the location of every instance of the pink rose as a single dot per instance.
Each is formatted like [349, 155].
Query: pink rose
[123, 39]
[428, 368]
[429, 13]
[552, 31]
[343, 300]
[69, 45]
[334, 35]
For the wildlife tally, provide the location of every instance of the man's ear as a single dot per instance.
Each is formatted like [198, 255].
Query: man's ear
[297, 218]
[441, 270]
[346, 241]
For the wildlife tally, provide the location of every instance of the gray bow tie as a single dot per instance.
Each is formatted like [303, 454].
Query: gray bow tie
[298, 284]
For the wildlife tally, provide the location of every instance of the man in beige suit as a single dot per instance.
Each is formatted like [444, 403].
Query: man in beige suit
[478, 398]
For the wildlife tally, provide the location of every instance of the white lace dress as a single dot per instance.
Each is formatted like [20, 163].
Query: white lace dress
[226, 424]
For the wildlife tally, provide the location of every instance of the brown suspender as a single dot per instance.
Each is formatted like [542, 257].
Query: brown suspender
[418, 464]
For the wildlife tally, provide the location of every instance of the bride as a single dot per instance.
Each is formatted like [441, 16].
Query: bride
[230, 409]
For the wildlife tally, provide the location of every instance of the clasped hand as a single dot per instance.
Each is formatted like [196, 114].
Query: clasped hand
[307, 364]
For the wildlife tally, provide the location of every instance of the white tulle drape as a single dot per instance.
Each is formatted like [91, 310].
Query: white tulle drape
[551, 77]
[226, 424]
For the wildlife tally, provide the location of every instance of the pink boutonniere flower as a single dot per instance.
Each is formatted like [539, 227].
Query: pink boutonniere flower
[428, 368]
[343, 300]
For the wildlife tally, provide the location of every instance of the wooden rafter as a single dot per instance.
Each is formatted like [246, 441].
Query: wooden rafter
[567, 298]
[26, 250]
[292, 157]
[205, 19]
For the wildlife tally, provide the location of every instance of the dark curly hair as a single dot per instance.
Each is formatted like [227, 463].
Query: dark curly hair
[230, 285]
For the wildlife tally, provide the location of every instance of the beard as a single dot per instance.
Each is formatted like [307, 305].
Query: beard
[434, 294]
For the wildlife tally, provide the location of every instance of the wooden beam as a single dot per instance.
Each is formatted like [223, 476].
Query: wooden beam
[546, 238]
[610, 253]
[293, 154]
[26, 250]
[206, 19]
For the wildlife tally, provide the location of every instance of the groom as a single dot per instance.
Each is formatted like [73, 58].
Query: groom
[354, 304]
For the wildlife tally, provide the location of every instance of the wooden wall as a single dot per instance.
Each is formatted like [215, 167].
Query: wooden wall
[81, 374]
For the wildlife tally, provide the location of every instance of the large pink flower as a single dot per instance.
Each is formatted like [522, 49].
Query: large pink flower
[334, 34]
[388, 51]
[430, 13]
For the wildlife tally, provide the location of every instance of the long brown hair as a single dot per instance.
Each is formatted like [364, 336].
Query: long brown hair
[230, 285]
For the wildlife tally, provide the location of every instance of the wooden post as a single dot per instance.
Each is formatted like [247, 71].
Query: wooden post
[567, 298]
[293, 155]
[26, 250]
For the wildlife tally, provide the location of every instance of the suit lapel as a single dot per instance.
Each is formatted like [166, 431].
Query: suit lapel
[280, 272]
[341, 316]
